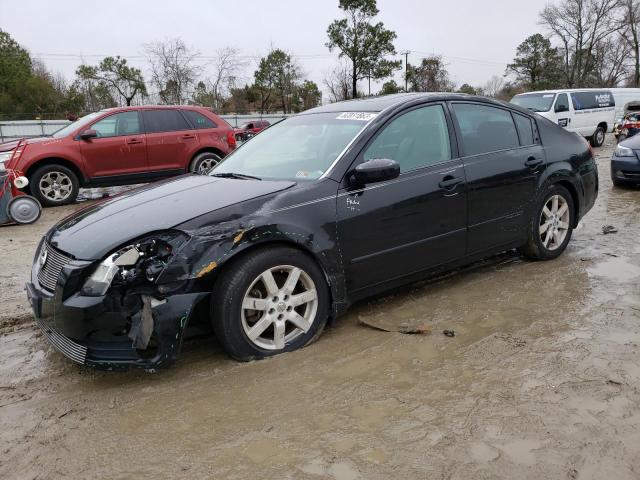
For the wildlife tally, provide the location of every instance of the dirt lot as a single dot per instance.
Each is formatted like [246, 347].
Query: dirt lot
[542, 380]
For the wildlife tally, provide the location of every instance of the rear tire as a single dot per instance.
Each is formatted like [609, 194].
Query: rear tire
[279, 323]
[202, 163]
[54, 185]
[597, 139]
[551, 225]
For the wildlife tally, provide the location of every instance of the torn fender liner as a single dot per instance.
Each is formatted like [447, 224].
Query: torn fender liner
[142, 325]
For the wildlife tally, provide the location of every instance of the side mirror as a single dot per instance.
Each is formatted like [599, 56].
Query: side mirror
[376, 170]
[88, 134]
[562, 108]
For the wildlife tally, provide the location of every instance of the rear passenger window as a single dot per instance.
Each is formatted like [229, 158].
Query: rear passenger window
[416, 139]
[525, 129]
[164, 121]
[484, 129]
[198, 120]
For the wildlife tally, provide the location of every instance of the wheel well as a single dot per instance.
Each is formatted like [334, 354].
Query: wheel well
[209, 281]
[603, 125]
[574, 196]
[220, 153]
[56, 161]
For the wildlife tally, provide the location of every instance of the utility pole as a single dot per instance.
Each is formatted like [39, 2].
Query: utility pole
[406, 68]
[369, 77]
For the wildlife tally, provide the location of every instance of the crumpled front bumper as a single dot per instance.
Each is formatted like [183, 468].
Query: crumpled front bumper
[90, 331]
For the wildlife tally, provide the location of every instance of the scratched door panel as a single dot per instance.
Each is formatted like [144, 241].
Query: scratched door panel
[403, 226]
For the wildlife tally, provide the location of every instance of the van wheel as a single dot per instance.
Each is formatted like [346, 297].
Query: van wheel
[597, 139]
[551, 225]
[54, 185]
[270, 302]
[204, 162]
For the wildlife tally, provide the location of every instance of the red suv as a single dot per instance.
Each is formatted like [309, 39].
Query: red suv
[120, 146]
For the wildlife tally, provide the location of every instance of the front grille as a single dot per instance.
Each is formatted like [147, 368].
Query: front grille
[64, 345]
[49, 272]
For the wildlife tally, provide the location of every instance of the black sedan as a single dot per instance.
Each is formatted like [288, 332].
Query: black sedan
[625, 164]
[319, 211]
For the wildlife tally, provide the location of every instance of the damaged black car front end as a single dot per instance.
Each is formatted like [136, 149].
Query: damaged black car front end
[111, 305]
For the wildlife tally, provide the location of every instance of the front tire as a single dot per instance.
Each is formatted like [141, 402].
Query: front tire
[551, 226]
[269, 302]
[202, 163]
[597, 139]
[54, 185]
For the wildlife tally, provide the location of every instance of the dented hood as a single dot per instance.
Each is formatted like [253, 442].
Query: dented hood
[93, 232]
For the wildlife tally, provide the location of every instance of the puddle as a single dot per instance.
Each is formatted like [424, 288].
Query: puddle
[619, 269]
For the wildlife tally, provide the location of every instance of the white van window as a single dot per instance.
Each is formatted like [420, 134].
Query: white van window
[591, 100]
[562, 104]
[536, 102]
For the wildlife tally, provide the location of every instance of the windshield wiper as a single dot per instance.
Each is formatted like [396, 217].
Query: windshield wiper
[240, 176]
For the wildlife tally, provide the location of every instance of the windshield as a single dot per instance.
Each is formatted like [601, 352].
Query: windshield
[64, 131]
[537, 102]
[298, 148]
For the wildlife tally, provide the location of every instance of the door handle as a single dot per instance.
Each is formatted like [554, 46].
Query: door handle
[449, 182]
[133, 141]
[188, 137]
[533, 162]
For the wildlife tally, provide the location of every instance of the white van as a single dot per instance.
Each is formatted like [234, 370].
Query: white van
[591, 112]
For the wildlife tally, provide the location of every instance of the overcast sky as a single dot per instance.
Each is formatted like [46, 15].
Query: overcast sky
[476, 37]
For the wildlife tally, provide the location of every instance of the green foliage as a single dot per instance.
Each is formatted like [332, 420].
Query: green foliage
[391, 87]
[26, 88]
[115, 75]
[308, 95]
[466, 88]
[276, 80]
[537, 65]
[364, 43]
[430, 76]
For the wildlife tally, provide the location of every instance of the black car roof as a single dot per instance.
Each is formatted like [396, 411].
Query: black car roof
[378, 104]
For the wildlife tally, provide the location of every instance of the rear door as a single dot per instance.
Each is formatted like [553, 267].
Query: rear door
[501, 173]
[119, 149]
[171, 141]
[414, 222]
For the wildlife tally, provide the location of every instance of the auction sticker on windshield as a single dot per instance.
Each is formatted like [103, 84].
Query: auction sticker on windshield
[362, 116]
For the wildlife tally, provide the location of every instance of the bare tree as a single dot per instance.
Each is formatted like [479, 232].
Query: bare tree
[631, 21]
[173, 71]
[338, 83]
[580, 26]
[612, 61]
[225, 76]
[493, 87]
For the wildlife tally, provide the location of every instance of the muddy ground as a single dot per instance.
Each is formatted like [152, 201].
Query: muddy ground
[542, 380]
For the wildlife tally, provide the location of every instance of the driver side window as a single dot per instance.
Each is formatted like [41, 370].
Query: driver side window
[416, 139]
[562, 103]
[125, 123]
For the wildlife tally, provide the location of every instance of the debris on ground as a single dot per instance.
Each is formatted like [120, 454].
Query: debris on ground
[404, 327]
[607, 229]
[449, 333]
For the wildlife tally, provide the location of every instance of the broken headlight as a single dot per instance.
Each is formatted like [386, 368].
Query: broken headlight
[143, 261]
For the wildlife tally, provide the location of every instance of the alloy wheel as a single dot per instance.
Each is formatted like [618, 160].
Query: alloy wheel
[56, 186]
[600, 136]
[554, 222]
[207, 164]
[279, 306]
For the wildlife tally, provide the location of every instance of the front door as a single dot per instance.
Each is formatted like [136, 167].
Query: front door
[563, 114]
[416, 221]
[502, 164]
[119, 149]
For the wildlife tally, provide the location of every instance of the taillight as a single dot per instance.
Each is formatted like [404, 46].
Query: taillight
[231, 139]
